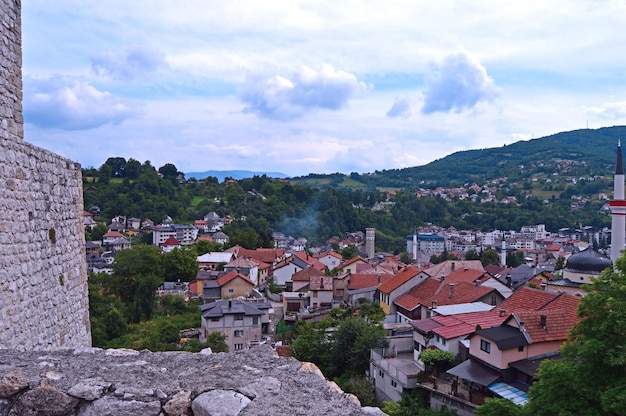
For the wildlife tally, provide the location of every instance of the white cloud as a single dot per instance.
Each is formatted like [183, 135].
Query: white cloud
[609, 111]
[400, 108]
[52, 103]
[281, 98]
[460, 84]
[137, 63]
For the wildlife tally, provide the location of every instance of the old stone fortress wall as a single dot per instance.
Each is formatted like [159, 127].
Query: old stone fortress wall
[43, 273]
[47, 365]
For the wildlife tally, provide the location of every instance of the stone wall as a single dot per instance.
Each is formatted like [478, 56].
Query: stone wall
[11, 122]
[94, 382]
[43, 271]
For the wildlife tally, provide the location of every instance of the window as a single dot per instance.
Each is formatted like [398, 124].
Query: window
[231, 290]
[381, 374]
[485, 346]
[255, 320]
[238, 347]
[394, 384]
[520, 348]
[239, 317]
[239, 332]
[215, 319]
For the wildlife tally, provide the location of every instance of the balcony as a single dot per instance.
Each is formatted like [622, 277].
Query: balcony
[400, 366]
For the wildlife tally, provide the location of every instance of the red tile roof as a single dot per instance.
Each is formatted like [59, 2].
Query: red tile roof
[527, 299]
[557, 328]
[328, 253]
[431, 289]
[231, 276]
[363, 280]
[310, 260]
[305, 275]
[266, 255]
[449, 266]
[465, 275]
[171, 241]
[398, 280]
[350, 261]
[458, 325]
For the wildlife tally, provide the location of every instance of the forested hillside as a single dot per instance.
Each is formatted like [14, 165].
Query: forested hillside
[581, 152]
[261, 205]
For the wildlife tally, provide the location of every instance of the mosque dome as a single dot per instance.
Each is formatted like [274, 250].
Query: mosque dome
[588, 261]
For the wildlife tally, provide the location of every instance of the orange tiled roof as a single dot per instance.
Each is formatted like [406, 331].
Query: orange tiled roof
[449, 266]
[398, 280]
[557, 328]
[363, 280]
[465, 323]
[527, 299]
[431, 289]
[328, 253]
[305, 275]
[464, 275]
[231, 276]
[310, 260]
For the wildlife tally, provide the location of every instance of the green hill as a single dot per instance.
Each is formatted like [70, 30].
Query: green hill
[580, 152]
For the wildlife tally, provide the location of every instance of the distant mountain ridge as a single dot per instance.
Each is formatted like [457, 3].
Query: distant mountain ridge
[235, 174]
[585, 151]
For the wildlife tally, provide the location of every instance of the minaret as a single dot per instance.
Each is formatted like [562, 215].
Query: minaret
[370, 236]
[503, 252]
[618, 209]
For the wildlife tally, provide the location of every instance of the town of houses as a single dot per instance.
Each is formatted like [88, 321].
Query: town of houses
[499, 322]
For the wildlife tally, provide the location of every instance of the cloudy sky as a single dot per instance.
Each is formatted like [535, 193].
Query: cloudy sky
[314, 86]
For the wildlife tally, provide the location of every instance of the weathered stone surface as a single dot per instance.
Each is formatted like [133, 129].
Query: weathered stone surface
[145, 383]
[110, 406]
[89, 389]
[179, 405]
[11, 383]
[219, 403]
[262, 387]
[44, 401]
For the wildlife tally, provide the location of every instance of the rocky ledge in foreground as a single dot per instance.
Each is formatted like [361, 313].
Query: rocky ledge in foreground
[96, 382]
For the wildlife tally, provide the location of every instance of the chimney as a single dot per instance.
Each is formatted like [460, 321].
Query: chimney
[453, 266]
[434, 304]
[443, 277]
[544, 287]
[522, 328]
[378, 276]
[451, 286]
[502, 311]
[477, 282]
[230, 304]
[543, 321]
[508, 280]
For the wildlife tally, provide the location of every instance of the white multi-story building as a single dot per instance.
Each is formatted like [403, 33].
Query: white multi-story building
[185, 234]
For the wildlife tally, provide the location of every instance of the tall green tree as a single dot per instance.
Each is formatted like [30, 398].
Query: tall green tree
[353, 340]
[180, 264]
[489, 256]
[137, 274]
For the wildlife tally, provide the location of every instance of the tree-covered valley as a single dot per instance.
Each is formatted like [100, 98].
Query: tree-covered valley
[262, 205]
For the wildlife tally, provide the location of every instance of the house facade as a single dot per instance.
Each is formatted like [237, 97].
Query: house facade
[244, 323]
